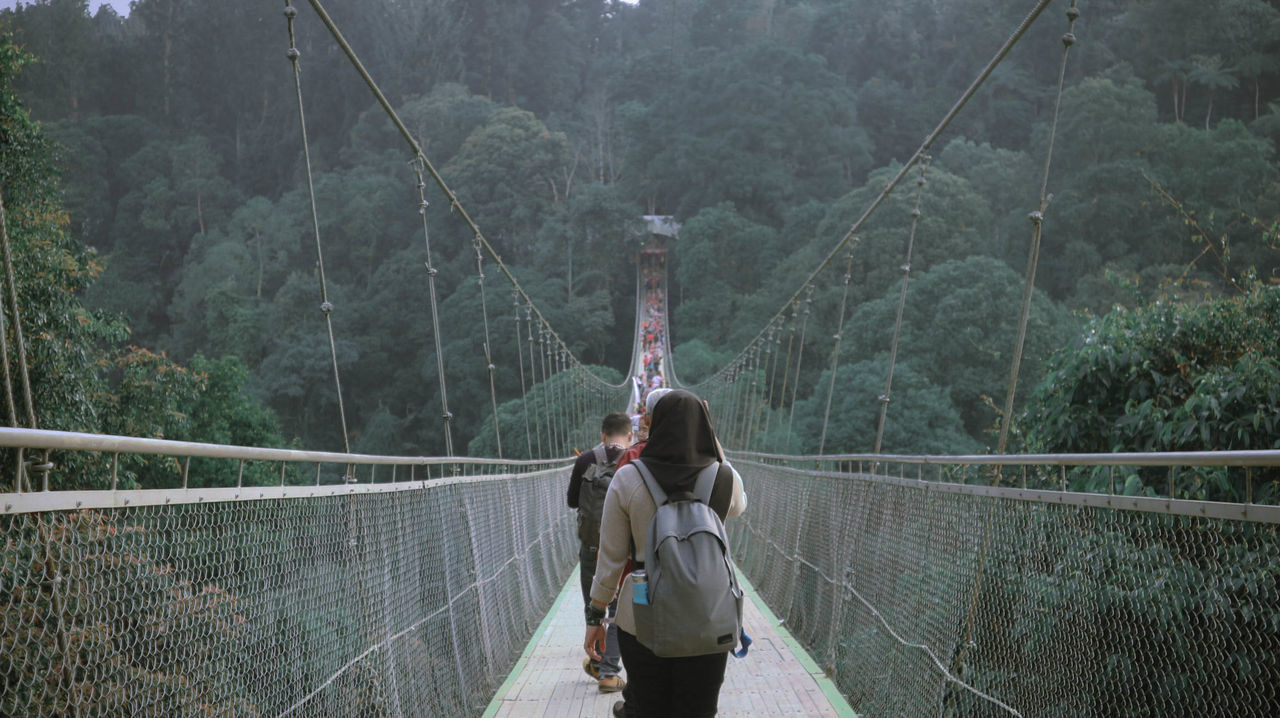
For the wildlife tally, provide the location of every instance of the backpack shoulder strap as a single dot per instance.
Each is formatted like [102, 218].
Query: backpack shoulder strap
[659, 496]
[705, 483]
[722, 492]
[602, 458]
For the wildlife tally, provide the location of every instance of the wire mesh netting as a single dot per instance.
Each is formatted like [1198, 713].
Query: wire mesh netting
[414, 602]
[926, 602]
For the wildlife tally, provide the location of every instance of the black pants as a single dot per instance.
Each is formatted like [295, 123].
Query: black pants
[670, 687]
[611, 663]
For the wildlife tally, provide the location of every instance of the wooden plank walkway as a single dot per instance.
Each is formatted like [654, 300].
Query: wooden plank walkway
[777, 678]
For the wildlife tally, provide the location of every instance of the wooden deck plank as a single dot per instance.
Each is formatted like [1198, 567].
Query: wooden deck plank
[773, 680]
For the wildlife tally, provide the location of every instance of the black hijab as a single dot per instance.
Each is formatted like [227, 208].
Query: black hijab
[681, 441]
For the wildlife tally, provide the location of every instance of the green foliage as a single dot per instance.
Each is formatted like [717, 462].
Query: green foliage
[696, 360]
[756, 124]
[79, 382]
[952, 214]
[924, 419]
[761, 126]
[1179, 375]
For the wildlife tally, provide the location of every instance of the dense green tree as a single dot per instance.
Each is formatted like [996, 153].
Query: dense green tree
[1177, 375]
[761, 126]
[975, 303]
[954, 223]
[508, 174]
[183, 168]
[925, 420]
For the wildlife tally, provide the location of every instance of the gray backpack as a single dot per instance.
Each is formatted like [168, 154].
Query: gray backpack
[695, 602]
[595, 484]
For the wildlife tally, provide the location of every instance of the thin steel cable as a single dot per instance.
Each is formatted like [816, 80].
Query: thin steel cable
[524, 393]
[835, 349]
[922, 150]
[446, 416]
[488, 355]
[923, 164]
[1037, 220]
[804, 326]
[326, 307]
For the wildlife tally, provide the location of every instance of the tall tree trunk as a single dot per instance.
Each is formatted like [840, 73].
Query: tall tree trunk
[1209, 113]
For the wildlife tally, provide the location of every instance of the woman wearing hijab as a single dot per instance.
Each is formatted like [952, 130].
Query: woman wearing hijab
[681, 444]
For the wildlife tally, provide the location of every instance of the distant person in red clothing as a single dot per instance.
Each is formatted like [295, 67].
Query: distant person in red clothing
[634, 450]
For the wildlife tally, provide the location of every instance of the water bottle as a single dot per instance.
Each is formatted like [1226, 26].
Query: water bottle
[639, 587]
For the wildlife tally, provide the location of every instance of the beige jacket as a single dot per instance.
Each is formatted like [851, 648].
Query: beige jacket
[628, 507]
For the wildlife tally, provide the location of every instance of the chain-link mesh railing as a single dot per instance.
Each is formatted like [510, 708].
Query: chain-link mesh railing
[351, 600]
[943, 599]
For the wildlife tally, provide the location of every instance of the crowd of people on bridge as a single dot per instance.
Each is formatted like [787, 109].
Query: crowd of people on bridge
[651, 373]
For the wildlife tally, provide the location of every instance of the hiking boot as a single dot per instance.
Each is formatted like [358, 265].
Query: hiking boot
[619, 710]
[611, 684]
[591, 670]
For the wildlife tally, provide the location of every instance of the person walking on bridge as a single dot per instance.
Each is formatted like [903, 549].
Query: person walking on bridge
[588, 483]
[681, 445]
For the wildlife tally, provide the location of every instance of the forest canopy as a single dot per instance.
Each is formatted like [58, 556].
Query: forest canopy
[154, 183]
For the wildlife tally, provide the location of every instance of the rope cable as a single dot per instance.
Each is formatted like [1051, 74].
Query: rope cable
[835, 349]
[804, 326]
[326, 307]
[488, 355]
[524, 394]
[446, 416]
[10, 402]
[902, 303]
[1068, 39]
[1037, 220]
[41, 465]
[533, 371]
[786, 367]
[775, 351]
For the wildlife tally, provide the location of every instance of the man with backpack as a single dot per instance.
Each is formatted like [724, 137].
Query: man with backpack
[679, 611]
[588, 485]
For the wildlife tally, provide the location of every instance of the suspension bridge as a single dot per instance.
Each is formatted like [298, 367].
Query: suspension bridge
[341, 584]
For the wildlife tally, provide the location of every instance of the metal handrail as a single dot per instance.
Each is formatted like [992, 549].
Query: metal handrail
[1262, 457]
[74, 441]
